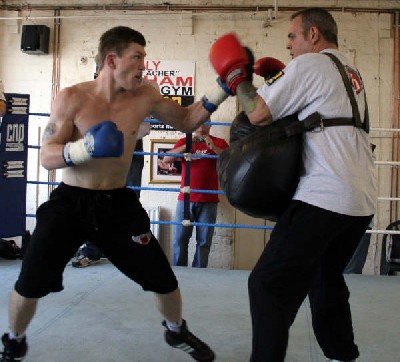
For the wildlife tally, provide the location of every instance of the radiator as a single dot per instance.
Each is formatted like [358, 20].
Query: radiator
[154, 215]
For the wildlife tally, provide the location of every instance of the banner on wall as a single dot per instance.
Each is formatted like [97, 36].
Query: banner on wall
[13, 160]
[176, 81]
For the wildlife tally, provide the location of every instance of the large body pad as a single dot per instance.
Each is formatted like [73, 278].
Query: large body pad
[260, 171]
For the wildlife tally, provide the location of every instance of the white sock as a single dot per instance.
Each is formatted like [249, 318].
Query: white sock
[174, 326]
[17, 337]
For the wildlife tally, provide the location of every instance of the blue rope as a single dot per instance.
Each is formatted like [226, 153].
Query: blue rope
[194, 155]
[141, 153]
[171, 189]
[42, 183]
[234, 226]
[39, 114]
[168, 189]
[147, 120]
[231, 226]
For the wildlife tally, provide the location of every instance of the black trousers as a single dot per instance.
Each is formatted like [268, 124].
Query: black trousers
[306, 254]
[357, 261]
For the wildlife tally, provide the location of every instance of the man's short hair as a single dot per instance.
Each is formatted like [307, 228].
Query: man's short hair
[321, 19]
[117, 39]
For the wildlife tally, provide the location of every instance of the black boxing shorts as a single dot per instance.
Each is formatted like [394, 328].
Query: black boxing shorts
[113, 219]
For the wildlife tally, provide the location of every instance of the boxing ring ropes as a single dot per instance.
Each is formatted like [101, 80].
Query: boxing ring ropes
[186, 189]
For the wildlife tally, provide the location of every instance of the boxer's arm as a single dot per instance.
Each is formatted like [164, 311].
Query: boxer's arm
[234, 66]
[184, 119]
[59, 130]
[63, 145]
[102, 140]
[144, 130]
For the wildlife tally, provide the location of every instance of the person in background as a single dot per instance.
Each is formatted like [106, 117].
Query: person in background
[203, 206]
[318, 232]
[2, 100]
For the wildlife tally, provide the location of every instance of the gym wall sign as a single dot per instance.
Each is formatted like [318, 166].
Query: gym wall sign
[13, 159]
[176, 81]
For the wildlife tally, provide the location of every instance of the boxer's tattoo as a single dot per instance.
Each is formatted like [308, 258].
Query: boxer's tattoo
[247, 93]
[49, 131]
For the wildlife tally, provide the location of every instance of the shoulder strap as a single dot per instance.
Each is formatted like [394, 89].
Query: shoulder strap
[316, 123]
[349, 89]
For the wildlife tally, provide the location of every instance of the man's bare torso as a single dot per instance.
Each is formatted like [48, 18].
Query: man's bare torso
[127, 110]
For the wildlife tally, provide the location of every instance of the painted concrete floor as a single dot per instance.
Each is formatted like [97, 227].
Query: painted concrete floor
[102, 316]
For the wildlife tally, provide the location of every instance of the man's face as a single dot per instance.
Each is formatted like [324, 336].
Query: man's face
[203, 130]
[297, 43]
[130, 66]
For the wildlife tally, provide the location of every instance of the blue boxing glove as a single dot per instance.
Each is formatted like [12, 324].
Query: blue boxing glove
[102, 140]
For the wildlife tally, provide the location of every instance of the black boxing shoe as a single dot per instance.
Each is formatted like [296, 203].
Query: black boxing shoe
[189, 343]
[14, 351]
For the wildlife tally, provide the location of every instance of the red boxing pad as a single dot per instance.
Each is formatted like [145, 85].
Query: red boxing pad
[267, 67]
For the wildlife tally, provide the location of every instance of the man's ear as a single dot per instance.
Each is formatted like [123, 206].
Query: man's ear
[110, 60]
[314, 34]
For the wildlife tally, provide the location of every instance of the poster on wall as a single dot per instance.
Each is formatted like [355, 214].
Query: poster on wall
[13, 160]
[176, 81]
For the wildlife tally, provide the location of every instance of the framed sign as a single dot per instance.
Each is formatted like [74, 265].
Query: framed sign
[161, 172]
[176, 80]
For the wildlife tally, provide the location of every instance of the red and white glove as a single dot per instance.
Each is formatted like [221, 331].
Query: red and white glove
[267, 67]
[230, 60]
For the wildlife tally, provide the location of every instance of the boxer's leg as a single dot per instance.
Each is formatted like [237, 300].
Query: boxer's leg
[170, 305]
[21, 312]
[148, 265]
[51, 246]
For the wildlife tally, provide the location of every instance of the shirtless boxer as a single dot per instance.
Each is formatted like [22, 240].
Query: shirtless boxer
[91, 135]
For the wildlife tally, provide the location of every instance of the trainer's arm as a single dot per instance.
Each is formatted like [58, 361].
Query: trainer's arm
[256, 109]
[58, 132]
[233, 65]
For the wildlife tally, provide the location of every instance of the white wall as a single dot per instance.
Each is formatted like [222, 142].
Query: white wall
[367, 38]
